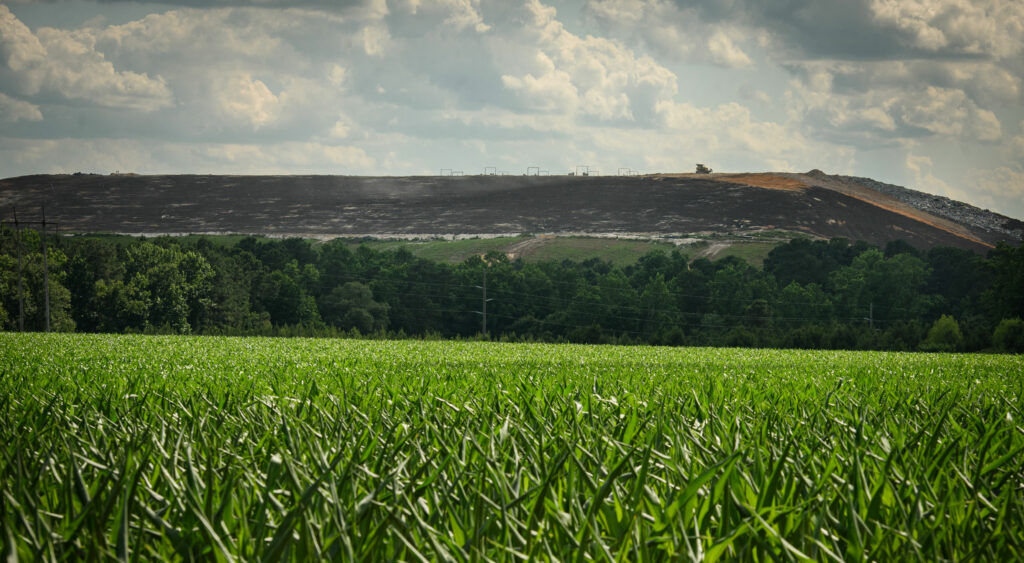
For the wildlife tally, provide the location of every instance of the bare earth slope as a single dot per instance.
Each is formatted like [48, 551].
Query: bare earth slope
[346, 206]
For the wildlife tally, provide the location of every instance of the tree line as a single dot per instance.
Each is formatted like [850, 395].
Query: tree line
[832, 294]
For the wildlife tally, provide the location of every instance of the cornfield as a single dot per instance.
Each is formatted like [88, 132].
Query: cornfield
[138, 448]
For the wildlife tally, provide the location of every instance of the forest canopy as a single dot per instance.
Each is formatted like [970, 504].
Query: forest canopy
[808, 294]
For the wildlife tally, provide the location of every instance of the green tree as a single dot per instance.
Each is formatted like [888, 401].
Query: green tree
[7, 287]
[586, 308]
[944, 336]
[1005, 297]
[621, 304]
[730, 292]
[34, 284]
[230, 305]
[736, 288]
[121, 306]
[1009, 336]
[899, 246]
[280, 296]
[90, 261]
[352, 306]
[336, 265]
[693, 289]
[800, 260]
[801, 304]
[177, 283]
[658, 307]
[890, 287]
[903, 335]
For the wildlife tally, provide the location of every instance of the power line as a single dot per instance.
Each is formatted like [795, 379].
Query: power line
[46, 269]
[564, 302]
[636, 291]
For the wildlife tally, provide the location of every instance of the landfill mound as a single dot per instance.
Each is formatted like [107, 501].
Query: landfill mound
[652, 206]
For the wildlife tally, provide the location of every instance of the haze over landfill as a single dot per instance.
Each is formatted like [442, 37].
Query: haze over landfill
[926, 95]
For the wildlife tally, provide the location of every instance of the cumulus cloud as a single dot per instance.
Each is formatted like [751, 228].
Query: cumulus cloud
[66, 63]
[674, 30]
[12, 110]
[592, 76]
[926, 181]
[731, 126]
[280, 157]
[1017, 149]
[249, 100]
[1001, 189]
[149, 156]
[342, 127]
[872, 29]
[993, 28]
[460, 14]
[946, 111]
[724, 52]
[864, 72]
[550, 89]
[868, 117]
[375, 39]
[849, 102]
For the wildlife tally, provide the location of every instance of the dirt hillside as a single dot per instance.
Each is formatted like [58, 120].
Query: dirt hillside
[347, 206]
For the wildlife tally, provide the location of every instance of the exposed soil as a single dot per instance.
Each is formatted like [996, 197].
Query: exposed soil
[770, 181]
[712, 250]
[344, 206]
[889, 203]
[527, 246]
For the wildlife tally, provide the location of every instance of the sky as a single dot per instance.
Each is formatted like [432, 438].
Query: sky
[926, 94]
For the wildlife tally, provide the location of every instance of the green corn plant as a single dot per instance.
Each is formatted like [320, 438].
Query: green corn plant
[134, 448]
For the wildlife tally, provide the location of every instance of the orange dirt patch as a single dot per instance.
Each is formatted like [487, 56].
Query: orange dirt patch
[769, 181]
[927, 219]
[893, 205]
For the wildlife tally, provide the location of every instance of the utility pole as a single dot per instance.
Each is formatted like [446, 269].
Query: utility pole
[871, 315]
[46, 276]
[21, 295]
[483, 304]
[483, 320]
[46, 268]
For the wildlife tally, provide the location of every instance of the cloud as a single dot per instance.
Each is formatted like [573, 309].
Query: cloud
[854, 104]
[234, 72]
[342, 127]
[873, 29]
[925, 180]
[375, 39]
[732, 129]
[949, 112]
[866, 73]
[593, 77]
[286, 156]
[247, 100]
[673, 30]
[1001, 188]
[66, 63]
[108, 155]
[550, 90]
[13, 110]
[462, 14]
[991, 28]
[1017, 149]
[724, 52]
